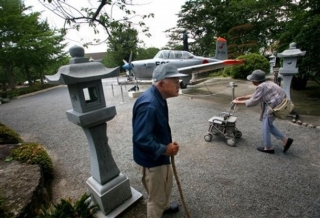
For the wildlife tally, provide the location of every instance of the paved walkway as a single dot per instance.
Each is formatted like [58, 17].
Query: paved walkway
[217, 180]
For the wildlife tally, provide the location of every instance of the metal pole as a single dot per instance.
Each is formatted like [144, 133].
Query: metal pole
[233, 89]
[121, 95]
[112, 89]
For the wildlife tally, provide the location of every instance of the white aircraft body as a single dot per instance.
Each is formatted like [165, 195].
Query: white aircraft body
[186, 62]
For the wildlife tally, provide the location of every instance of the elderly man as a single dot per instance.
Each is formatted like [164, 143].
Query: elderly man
[152, 140]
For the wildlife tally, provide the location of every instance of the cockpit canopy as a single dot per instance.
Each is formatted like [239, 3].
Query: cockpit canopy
[173, 54]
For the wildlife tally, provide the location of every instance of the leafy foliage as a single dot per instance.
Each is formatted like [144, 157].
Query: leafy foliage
[146, 53]
[80, 209]
[123, 42]
[26, 43]
[303, 27]
[33, 153]
[307, 41]
[252, 61]
[8, 135]
[248, 25]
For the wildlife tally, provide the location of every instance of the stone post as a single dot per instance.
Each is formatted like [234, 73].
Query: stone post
[108, 187]
[290, 57]
[272, 63]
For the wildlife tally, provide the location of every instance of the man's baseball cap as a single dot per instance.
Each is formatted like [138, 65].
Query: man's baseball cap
[257, 76]
[164, 71]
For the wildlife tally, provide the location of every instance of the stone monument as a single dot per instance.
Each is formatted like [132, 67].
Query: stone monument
[185, 41]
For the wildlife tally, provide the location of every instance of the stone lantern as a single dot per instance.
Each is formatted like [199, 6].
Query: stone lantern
[272, 62]
[288, 70]
[108, 187]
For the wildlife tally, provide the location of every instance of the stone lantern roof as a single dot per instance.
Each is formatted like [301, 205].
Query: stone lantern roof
[81, 70]
[291, 52]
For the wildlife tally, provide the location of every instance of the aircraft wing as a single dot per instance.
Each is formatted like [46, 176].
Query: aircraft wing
[209, 66]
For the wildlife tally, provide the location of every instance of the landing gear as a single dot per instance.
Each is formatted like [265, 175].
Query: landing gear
[183, 85]
[134, 89]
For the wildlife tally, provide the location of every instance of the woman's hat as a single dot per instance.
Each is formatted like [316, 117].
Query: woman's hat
[257, 76]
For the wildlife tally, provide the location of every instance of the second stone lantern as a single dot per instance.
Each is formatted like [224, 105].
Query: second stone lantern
[288, 69]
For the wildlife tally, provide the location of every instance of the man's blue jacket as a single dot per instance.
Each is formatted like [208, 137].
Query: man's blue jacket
[151, 130]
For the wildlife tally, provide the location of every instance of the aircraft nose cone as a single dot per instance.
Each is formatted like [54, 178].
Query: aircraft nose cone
[126, 66]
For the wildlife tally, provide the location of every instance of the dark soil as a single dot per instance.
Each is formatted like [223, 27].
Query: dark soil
[307, 101]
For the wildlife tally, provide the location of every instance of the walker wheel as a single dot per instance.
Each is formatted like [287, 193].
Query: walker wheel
[237, 134]
[208, 137]
[231, 142]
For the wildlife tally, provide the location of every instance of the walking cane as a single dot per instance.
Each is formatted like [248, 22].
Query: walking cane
[179, 186]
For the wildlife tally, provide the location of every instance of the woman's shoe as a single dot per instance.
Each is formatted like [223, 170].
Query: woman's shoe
[266, 151]
[288, 144]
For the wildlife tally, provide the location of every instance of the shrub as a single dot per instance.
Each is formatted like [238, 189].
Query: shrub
[32, 153]
[8, 136]
[252, 62]
[24, 90]
[81, 208]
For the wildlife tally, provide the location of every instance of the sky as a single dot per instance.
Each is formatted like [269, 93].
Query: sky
[165, 17]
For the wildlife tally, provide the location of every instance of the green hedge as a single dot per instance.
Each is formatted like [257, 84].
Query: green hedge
[252, 62]
[24, 90]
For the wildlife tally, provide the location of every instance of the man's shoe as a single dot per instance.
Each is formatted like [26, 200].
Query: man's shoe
[266, 151]
[288, 144]
[173, 208]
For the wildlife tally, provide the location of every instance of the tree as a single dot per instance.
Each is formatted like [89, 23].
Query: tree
[146, 53]
[307, 41]
[10, 21]
[203, 20]
[124, 41]
[39, 47]
[304, 29]
[26, 43]
[248, 25]
[98, 16]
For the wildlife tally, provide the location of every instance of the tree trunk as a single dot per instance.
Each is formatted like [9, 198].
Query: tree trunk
[10, 77]
[27, 71]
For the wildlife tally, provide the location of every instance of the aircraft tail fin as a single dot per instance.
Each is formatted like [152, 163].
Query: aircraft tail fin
[221, 49]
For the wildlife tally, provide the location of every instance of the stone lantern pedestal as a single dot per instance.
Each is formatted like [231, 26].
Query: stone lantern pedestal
[108, 187]
[288, 70]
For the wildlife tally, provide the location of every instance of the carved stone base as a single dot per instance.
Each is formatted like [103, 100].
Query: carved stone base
[123, 207]
[113, 197]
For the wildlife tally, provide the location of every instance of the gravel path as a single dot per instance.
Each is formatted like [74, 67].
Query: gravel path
[218, 180]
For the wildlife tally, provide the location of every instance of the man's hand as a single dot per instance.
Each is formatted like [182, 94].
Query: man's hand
[172, 149]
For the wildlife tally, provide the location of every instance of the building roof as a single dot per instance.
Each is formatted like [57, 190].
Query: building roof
[96, 56]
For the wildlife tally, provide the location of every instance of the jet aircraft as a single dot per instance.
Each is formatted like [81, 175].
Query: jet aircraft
[186, 62]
